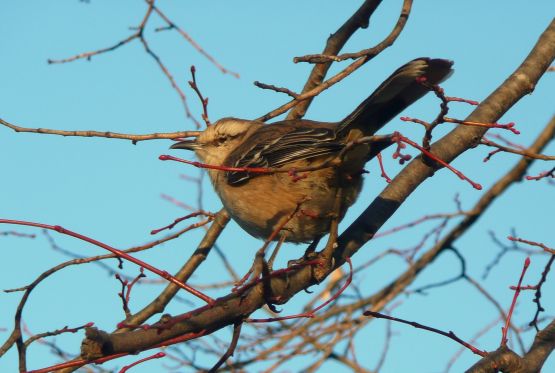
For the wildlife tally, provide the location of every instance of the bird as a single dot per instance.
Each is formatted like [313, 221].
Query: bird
[299, 206]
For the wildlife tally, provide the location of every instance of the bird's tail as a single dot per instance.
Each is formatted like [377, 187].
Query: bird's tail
[396, 93]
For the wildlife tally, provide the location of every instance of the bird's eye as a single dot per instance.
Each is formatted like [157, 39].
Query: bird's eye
[220, 140]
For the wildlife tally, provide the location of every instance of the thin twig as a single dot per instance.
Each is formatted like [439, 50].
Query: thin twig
[107, 134]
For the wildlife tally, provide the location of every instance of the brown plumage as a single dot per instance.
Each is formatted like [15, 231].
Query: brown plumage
[259, 202]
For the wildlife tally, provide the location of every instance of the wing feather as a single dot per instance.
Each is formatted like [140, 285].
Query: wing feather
[274, 148]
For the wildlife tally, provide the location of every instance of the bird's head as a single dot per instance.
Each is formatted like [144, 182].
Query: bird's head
[214, 144]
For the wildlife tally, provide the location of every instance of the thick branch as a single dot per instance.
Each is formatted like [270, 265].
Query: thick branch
[229, 309]
[505, 360]
[159, 304]
[309, 94]
[336, 41]
[462, 138]
[381, 298]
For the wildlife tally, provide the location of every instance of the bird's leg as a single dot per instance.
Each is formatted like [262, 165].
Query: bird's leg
[267, 291]
[311, 248]
[266, 271]
[260, 265]
[263, 269]
[254, 271]
[308, 254]
[276, 250]
[326, 255]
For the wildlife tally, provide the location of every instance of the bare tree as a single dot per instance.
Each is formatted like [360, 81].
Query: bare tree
[336, 310]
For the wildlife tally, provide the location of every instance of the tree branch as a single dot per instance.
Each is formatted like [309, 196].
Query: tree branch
[228, 309]
[108, 135]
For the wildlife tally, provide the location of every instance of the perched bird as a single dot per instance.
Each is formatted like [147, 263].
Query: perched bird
[301, 204]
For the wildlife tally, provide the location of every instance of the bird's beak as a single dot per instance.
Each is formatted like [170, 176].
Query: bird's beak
[185, 144]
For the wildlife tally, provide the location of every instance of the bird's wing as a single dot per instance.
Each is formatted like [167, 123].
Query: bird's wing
[274, 146]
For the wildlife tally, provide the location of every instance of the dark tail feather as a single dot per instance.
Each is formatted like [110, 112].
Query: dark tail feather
[396, 93]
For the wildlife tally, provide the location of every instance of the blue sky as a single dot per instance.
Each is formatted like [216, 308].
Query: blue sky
[110, 189]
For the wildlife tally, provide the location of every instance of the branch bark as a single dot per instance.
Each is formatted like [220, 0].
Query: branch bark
[318, 86]
[336, 41]
[518, 84]
[233, 307]
[106, 134]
